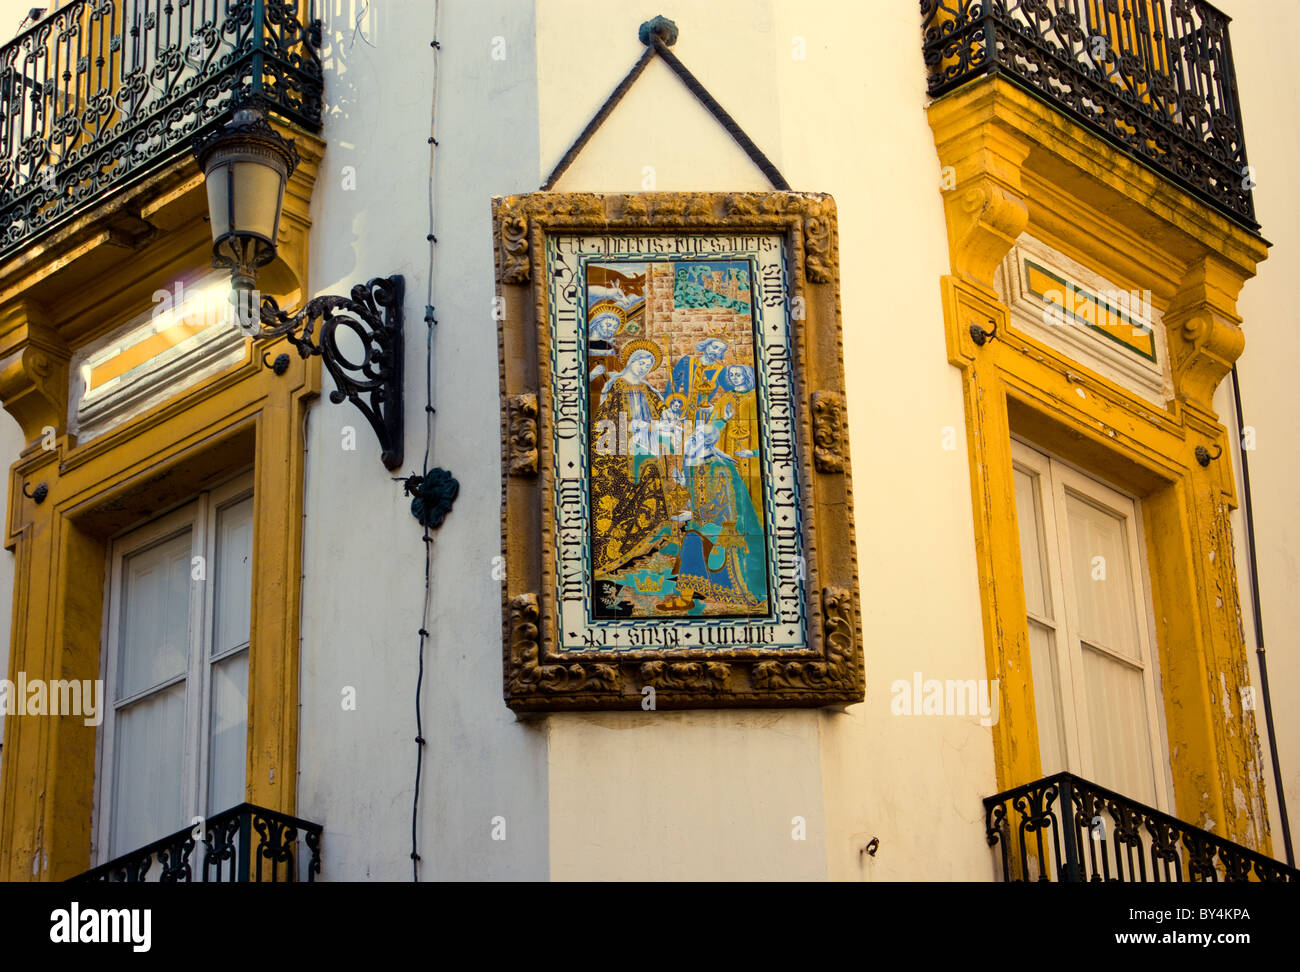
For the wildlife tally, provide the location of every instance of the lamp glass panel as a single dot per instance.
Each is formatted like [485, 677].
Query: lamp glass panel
[257, 199]
[218, 183]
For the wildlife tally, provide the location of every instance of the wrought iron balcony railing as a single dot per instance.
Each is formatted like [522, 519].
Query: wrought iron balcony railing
[244, 843]
[1065, 828]
[100, 93]
[1154, 77]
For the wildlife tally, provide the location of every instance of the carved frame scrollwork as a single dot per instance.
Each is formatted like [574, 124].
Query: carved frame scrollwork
[828, 668]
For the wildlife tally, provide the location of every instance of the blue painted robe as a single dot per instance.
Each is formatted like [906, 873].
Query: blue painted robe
[733, 571]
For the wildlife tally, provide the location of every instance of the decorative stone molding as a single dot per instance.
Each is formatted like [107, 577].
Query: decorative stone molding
[837, 670]
[819, 242]
[523, 434]
[829, 432]
[693, 676]
[816, 215]
[514, 248]
[529, 675]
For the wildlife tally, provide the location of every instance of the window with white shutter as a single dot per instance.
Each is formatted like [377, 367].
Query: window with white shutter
[175, 666]
[1094, 668]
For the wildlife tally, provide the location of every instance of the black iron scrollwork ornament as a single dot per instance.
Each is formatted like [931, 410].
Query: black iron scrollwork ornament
[373, 313]
[434, 493]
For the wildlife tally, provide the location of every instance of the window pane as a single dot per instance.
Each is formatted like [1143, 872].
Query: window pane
[1033, 563]
[229, 731]
[1121, 740]
[1047, 697]
[234, 575]
[147, 783]
[1103, 585]
[154, 639]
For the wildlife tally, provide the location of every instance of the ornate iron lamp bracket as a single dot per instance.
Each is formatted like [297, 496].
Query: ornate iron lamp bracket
[373, 312]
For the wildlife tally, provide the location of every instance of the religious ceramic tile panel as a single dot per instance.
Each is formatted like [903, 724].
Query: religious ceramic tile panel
[677, 525]
[676, 500]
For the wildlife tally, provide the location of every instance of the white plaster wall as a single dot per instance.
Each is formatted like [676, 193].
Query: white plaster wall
[13, 13]
[11, 444]
[364, 558]
[713, 794]
[697, 794]
[1269, 392]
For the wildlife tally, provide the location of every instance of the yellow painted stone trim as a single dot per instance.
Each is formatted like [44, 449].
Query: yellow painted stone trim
[1020, 166]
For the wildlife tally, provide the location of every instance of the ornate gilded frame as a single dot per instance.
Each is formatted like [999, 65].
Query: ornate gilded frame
[828, 668]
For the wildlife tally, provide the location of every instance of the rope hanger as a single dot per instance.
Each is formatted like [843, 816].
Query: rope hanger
[658, 35]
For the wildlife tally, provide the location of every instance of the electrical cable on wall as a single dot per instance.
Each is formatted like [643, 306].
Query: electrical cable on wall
[434, 490]
[429, 322]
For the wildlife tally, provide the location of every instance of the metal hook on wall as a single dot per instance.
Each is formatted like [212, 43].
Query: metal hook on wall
[279, 366]
[1203, 454]
[38, 494]
[980, 336]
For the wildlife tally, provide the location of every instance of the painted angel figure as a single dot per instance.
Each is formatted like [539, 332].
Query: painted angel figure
[604, 321]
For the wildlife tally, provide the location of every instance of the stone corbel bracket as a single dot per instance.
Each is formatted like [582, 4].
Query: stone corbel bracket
[983, 195]
[1205, 335]
[33, 372]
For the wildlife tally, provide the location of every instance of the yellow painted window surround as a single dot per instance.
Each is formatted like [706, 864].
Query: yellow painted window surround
[246, 417]
[1021, 169]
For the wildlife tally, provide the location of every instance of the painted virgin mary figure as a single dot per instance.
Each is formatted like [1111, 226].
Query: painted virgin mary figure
[627, 486]
[722, 555]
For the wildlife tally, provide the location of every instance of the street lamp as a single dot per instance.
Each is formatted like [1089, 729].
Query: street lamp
[245, 166]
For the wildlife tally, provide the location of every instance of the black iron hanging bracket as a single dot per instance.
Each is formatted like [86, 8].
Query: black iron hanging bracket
[373, 312]
[658, 34]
